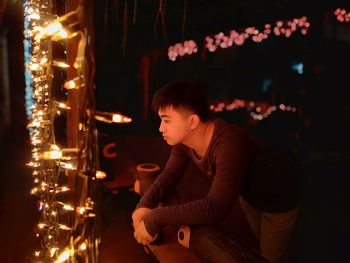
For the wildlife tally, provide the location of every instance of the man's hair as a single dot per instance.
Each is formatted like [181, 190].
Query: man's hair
[190, 95]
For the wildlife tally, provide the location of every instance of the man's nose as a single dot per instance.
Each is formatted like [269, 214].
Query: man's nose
[161, 128]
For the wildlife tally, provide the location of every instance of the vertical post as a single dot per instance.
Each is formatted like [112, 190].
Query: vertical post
[73, 95]
[4, 87]
[2, 8]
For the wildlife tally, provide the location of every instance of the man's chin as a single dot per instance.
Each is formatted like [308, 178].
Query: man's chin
[169, 142]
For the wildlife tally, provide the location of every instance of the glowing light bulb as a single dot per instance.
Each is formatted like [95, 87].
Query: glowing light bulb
[110, 117]
[34, 16]
[53, 28]
[62, 189]
[34, 191]
[33, 164]
[60, 64]
[68, 166]
[83, 246]
[101, 175]
[53, 251]
[34, 67]
[70, 85]
[127, 119]
[68, 207]
[116, 118]
[63, 257]
[43, 61]
[51, 155]
[81, 210]
[61, 34]
[63, 106]
[64, 227]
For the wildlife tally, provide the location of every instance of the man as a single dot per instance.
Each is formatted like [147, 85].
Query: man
[239, 166]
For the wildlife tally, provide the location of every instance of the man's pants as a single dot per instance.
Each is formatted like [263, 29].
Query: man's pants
[273, 230]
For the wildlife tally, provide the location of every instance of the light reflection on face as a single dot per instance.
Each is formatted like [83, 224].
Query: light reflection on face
[175, 124]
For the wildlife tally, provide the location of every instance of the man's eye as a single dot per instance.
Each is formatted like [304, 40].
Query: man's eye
[166, 121]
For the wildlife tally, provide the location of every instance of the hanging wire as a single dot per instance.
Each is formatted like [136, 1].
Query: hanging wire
[125, 28]
[135, 12]
[160, 15]
[2, 9]
[115, 11]
[184, 18]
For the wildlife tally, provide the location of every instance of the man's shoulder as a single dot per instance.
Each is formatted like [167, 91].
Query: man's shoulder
[225, 129]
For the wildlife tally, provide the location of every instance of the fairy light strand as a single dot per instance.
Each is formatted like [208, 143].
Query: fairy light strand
[38, 85]
[238, 38]
[220, 40]
[49, 161]
[342, 15]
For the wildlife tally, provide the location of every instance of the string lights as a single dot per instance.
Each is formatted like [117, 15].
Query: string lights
[258, 111]
[110, 117]
[220, 40]
[342, 15]
[67, 227]
[188, 47]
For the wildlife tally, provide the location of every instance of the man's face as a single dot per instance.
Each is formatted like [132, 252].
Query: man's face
[175, 124]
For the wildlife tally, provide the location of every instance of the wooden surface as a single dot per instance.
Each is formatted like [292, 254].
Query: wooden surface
[170, 251]
[211, 244]
[207, 245]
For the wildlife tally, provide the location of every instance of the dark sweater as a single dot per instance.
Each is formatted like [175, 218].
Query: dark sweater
[237, 164]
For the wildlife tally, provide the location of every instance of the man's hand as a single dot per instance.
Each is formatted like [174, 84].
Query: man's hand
[138, 215]
[142, 236]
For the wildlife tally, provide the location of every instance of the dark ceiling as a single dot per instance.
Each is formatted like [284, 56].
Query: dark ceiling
[191, 19]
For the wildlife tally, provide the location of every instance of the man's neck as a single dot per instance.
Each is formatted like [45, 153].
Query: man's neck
[201, 137]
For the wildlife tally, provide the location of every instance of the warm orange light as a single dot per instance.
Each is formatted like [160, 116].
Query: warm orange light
[101, 175]
[53, 28]
[63, 257]
[34, 67]
[64, 227]
[63, 106]
[61, 34]
[111, 117]
[56, 153]
[118, 118]
[60, 64]
[51, 155]
[83, 246]
[70, 84]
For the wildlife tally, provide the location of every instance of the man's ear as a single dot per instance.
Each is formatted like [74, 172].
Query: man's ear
[194, 121]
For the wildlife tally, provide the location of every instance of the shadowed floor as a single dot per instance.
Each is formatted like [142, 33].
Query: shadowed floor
[19, 215]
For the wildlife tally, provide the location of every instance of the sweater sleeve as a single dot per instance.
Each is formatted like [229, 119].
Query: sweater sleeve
[167, 180]
[231, 159]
